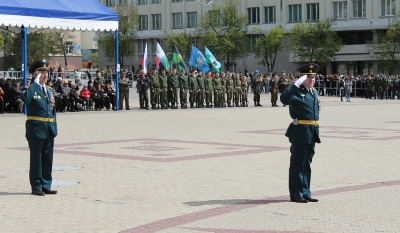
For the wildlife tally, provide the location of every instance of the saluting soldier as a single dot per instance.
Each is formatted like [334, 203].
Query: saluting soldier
[183, 87]
[173, 88]
[193, 88]
[154, 89]
[229, 89]
[208, 87]
[303, 132]
[163, 89]
[200, 94]
[41, 129]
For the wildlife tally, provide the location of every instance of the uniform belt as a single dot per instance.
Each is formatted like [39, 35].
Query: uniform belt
[37, 118]
[305, 122]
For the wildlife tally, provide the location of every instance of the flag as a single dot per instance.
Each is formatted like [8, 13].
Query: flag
[177, 58]
[143, 62]
[161, 58]
[198, 60]
[212, 60]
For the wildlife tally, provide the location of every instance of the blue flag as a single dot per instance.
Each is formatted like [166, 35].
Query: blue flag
[198, 60]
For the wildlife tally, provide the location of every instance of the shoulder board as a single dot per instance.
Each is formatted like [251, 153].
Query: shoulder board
[50, 88]
[314, 88]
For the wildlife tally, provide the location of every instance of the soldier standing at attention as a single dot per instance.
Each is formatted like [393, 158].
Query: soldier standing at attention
[273, 84]
[200, 94]
[257, 82]
[208, 87]
[124, 92]
[154, 89]
[244, 91]
[41, 129]
[193, 88]
[183, 86]
[303, 133]
[237, 83]
[217, 91]
[143, 85]
[229, 89]
[223, 89]
[163, 89]
[173, 89]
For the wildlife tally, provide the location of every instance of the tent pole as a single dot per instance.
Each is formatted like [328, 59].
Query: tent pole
[117, 71]
[24, 56]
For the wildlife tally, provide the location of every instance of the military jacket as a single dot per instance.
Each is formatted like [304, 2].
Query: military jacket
[163, 81]
[302, 106]
[223, 83]
[183, 82]
[193, 85]
[38, 105]
[237, 83]
[200, 81]
[217, 83]
[173, 81]
[229, 84]
[208, 85]
[273, 83]
[154, 81]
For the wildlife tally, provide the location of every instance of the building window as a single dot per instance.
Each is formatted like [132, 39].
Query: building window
[252, 42]
[254, 15]
[359, 8]
[270, 14]
[340, 10]
[176, 0]
[141, 46]
[110, 3]
[156, 20]
[176, 20]
[191, 19]
[143, 22]
[313, 11]
[294, 13]
[141, 2]
[155, 1]
[388, 7]
[215, 16]
[123, 2]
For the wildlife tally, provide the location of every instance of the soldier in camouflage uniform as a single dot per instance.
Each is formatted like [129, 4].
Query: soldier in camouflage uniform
[193, 88]
[273, 84]
[392, 87]
[154, 89]
[163, 89]
[377, 86]
[385, 85]
[183, 86]
[173, 86]
[200, 94]
[237, 87]
[244, 91]
[368, 87]
[256, 84]
[208, 88]
[223, 89]
[286, 83]
[217, 91]
[123, 91]
[229, 89]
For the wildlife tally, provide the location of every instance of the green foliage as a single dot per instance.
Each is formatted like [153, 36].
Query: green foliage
[314, 42]
[268, 46]
[127, 26]
[387, 48]
[183, 41]
[1, 41]
[223, 31]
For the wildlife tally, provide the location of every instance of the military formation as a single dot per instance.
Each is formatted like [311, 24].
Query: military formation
[196, 90]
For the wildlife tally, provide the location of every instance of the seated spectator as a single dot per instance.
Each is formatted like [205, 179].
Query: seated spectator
[17, 102]
[104, 99]
[111, 94]
[85, 97]
[94, 95]
[56, 96]
[8, 96]
[63, 92]
[75, 102]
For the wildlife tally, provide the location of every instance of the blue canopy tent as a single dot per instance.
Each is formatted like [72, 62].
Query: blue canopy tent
[58, 14]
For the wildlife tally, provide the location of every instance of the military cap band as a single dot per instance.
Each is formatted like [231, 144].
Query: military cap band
[310, 68]
[41, 65]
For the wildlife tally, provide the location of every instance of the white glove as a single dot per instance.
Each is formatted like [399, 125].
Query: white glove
[300, 80]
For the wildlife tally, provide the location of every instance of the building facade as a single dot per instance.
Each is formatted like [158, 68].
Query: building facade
[356, 22]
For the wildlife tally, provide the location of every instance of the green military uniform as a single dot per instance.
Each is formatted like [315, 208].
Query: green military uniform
[200, 94]
[368, 88]
[303, 133]
[244, 86]
[183, 86]
[385, 85]
[123, 92]
[154, 90]
[41, 129]
[217, 91]
[173, 89]
[223, 90]
[208, 87]
[256, 89]
[273, 84]
[143, 85]
[392, 88]
[163, 91]
[193, 90]
[237, 86]
[229, 90]
[377, 87]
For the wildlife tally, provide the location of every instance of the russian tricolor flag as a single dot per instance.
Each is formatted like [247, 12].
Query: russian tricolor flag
[143, 62]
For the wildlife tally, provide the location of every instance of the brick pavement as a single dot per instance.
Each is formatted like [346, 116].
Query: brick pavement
[206, 170]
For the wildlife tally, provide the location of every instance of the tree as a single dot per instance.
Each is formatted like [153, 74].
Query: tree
[183, 41]
[387, 48]
[314, 42]
[1, 41]
[267, 47]
[223, 30]
[127, 26]
[60, 43]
